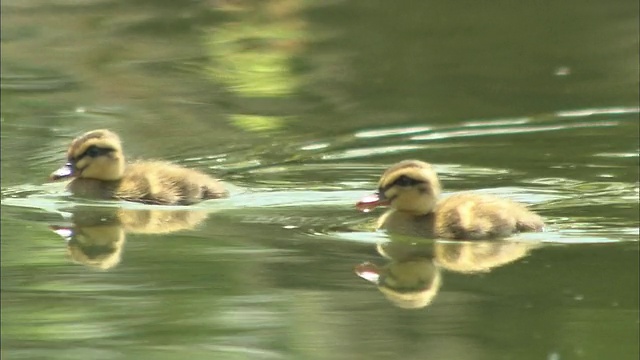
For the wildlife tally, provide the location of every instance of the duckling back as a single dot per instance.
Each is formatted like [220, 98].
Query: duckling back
[473, 216]
[159, 182]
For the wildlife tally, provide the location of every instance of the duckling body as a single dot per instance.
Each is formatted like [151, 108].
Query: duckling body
[474, 216]
[412, 189]
[152, 182]
[96, 162]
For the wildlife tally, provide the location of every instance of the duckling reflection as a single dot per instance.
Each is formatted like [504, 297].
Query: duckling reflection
[412, 278]
[470, 257]
[97, 238]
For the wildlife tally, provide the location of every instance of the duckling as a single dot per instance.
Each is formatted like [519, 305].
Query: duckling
[412, 189]
[96, 162]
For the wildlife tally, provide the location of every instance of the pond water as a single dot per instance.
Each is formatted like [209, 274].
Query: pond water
[300, 106]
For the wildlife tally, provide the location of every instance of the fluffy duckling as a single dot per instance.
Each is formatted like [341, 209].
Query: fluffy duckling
[412, 189]
[96, 162]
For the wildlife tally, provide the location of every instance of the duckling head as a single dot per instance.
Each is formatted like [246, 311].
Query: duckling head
[98, 247]
[409, 284]
[93, 155]
[410, 186]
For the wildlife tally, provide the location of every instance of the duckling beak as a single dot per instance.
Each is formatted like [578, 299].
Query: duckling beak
[370, 202]
[368, 271]
[65, 232]
[62, 173]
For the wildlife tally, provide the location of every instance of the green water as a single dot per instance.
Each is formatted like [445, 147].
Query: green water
[300, 105]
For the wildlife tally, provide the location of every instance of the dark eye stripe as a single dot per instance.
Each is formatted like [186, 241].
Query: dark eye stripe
[94, 151]
[402, 180]
[421, 284]
[406, 181]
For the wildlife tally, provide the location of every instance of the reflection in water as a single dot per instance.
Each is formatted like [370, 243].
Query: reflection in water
[252, 56]
[97, 238]
[412, 278]
[479, 256]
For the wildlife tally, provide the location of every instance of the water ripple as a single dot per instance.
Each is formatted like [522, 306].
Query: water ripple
[511, 130]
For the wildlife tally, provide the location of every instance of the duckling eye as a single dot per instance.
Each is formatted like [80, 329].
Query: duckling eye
[405, 181]
[94, 151]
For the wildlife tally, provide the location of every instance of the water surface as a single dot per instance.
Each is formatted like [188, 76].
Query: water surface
[301, 105]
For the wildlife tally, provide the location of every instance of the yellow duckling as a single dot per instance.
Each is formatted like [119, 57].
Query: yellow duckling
[412, 189]
[96, 162]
